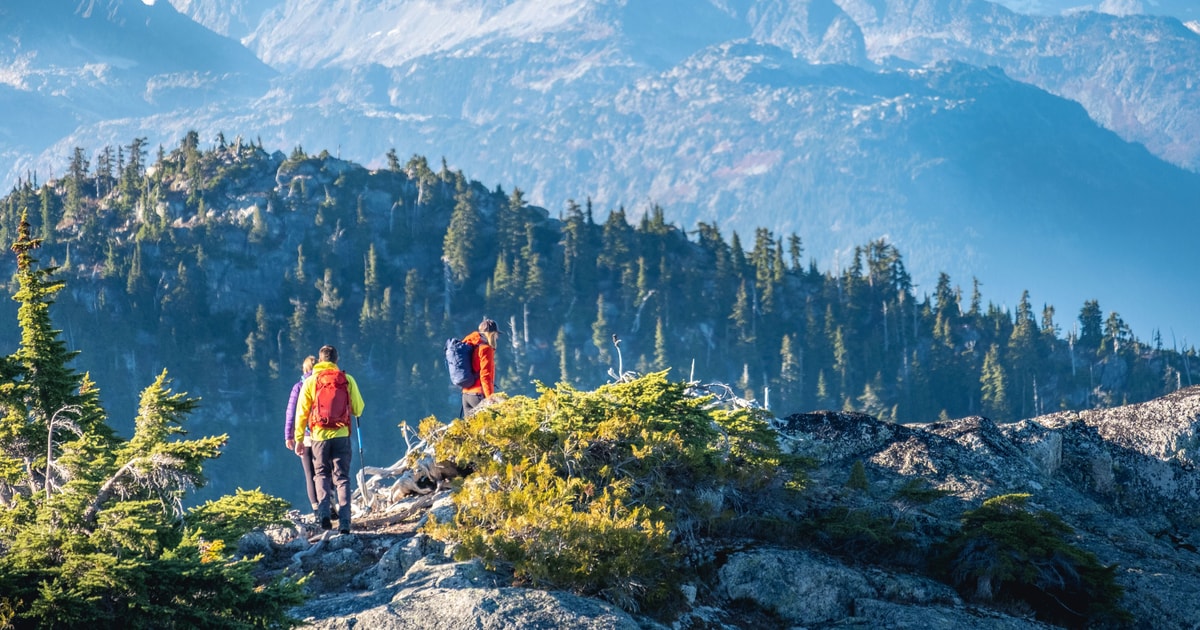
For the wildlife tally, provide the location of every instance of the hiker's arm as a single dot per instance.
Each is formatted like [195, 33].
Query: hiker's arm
[487, 371]
[356, 401]
[302, 411]
[289, 421]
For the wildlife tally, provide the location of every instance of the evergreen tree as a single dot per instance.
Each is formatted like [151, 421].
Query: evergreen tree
[602, 333]
[741, 315]
[48, 383]
[92, 535]
[563, 351]
[1091, 331]
[791, 374]
[458, 246]
[75, 183]
[1023, 356]
[994, 386]
[662, 359]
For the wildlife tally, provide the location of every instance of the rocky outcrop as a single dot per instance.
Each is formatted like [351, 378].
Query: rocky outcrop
[435, 593]
[1122, 478]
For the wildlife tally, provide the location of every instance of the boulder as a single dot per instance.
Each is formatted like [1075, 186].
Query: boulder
[462, 595]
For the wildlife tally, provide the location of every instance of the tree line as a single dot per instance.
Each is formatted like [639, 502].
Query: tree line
[231, 263]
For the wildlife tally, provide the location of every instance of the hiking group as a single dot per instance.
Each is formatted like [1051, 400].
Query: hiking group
[326, 400]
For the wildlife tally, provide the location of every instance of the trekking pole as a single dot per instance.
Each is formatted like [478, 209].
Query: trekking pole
[362, 466]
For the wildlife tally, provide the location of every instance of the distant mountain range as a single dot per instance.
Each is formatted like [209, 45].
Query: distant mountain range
[1182, 9]
[1051, 152]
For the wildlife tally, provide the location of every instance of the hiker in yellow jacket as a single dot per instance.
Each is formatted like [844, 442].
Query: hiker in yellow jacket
[329, 399]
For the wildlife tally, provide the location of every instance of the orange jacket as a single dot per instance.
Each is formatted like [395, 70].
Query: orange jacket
[484, 362]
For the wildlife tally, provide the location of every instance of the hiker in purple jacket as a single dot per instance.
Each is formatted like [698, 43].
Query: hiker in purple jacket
[289, 428]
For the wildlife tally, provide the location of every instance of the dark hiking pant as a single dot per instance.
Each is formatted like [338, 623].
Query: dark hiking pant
[331, 463]
[469, 403]
[306, 462]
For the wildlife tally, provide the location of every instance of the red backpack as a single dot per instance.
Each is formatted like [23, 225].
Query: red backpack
[331, 404]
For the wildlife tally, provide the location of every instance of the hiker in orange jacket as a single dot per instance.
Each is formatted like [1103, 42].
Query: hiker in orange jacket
[331, 449]
[484, 363]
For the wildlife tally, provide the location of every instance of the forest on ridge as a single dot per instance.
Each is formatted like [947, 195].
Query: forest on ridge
[228, 264]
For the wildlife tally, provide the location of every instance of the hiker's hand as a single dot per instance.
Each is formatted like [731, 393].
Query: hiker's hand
[299, 449]
[291, 444]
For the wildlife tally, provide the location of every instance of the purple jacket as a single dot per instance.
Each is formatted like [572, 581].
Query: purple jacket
[289, 421]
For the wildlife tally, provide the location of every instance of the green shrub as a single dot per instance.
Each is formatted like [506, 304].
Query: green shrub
[856, 533]
[601, 492]
[858, 477]
[232, 516]
[1005, 552]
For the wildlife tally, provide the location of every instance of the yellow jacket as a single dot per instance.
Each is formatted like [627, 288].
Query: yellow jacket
[308, 397]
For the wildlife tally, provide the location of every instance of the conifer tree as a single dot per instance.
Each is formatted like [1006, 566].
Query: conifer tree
[458, 246]
[49, 214]
[1091, 327]
[563, 351]
[535, 269]
[1023, 355]
[791, 373]
[92, 535]
[48, 383]
[994, 386]
[741, 315]
[75, 182]
[602, 333]
[662, 360]
[330, 299]
[412, 302]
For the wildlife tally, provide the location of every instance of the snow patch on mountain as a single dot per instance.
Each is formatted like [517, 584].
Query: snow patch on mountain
[394, 31]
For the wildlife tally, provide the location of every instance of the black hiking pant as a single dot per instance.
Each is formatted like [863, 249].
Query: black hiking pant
[469, 403]
[306, 462]
[331, 463]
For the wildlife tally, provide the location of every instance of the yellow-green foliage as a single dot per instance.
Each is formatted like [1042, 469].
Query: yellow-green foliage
[1007, 552]
[232, 516]
[591, 491]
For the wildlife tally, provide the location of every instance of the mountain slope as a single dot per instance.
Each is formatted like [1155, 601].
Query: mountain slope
[790, 124]
[71, 63]
[1132, 74]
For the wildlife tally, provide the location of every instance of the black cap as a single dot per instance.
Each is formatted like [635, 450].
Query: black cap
[488, 325]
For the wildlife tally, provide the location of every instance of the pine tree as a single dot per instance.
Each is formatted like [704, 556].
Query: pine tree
[75, 183]
[994, 386]
[602, 333]
[412, 301]
[49, 214]
[662, 359]
[49, 384]
[791, 373]
[564, 355]
[741, 315]
[1023, 355]
[330, 300]
[1091, 328]
[255, 357]
[458, 245]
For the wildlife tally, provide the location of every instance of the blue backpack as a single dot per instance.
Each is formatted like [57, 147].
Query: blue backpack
[458, 360]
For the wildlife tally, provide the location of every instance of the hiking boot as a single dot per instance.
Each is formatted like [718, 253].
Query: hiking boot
[326, 523]
[344, 531]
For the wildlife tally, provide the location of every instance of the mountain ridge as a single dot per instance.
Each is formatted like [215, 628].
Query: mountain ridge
[583, 110]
